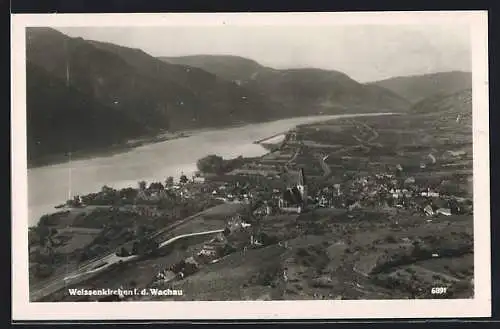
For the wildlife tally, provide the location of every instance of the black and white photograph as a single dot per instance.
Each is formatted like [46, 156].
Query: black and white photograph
[250, 165]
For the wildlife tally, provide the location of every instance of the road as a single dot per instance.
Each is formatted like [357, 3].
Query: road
[99, 266]
[56, 283]
[114, 259]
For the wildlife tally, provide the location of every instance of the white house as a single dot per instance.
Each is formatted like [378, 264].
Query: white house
[198, 179]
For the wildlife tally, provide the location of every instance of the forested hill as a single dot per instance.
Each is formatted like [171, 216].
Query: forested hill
[418, 87]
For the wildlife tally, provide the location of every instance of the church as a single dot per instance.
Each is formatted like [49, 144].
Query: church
[294, 199]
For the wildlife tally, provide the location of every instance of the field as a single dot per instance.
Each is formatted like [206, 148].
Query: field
[232, 278]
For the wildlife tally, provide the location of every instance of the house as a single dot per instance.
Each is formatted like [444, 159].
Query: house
[324, 202]
[219, 238]
[143, 195]
[406, 240]
[254, 242]
[207, 251]
[430, 194]
[396, 193]
[455, 153]
[269, 210]
[409, 180]
[355, 205]
[198, 179]
[428, 210]
[245, 225]
[235, 221]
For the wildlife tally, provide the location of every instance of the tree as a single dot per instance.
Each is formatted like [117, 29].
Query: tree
[135, 248]
[169, 182]
[183, 179]
[43, 270]
[158, 186]
[142, 185]
[43, 233]
[106, 189]
[211, 164]
[128, 193]
[390, 239]
[140, 231]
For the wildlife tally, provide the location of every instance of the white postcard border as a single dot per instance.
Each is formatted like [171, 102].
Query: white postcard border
[479, 306]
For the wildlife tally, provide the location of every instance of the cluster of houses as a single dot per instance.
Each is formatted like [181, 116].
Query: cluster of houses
[379, 190]
[144, 211]
[385, 190]
[213, 249]
[232, 192]
[238, 236]
[156, 191]
[177, 271]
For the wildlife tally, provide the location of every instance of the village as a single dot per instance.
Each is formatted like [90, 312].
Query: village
[376, 221]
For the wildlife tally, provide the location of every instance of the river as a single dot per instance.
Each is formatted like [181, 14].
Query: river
[50, 185]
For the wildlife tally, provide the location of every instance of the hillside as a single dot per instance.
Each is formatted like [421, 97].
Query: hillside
[300, 91]
[147, 92]
[451, 107]
[61, 118]
[419, 87]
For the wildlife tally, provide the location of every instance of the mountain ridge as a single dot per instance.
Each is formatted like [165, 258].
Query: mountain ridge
[316, 89]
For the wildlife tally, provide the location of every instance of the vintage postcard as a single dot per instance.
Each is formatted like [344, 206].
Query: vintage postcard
[250, 166]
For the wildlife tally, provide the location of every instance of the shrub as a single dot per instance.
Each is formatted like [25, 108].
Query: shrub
[390, 239]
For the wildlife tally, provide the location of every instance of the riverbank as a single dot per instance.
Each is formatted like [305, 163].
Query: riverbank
[269, 142]
[127, 145]
[105, 151]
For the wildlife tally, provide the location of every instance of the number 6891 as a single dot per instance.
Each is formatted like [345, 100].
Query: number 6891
[438, 290]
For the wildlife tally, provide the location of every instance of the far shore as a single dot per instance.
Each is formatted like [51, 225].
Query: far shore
[104, 151]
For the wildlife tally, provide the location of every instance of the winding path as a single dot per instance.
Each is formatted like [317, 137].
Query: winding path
[96, 266]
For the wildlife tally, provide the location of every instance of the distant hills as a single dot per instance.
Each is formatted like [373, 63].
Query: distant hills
[232, 68]
[301, 91]
[419, 87]
[86, 95]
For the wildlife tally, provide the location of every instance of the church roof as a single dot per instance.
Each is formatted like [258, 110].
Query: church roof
[302, 177]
